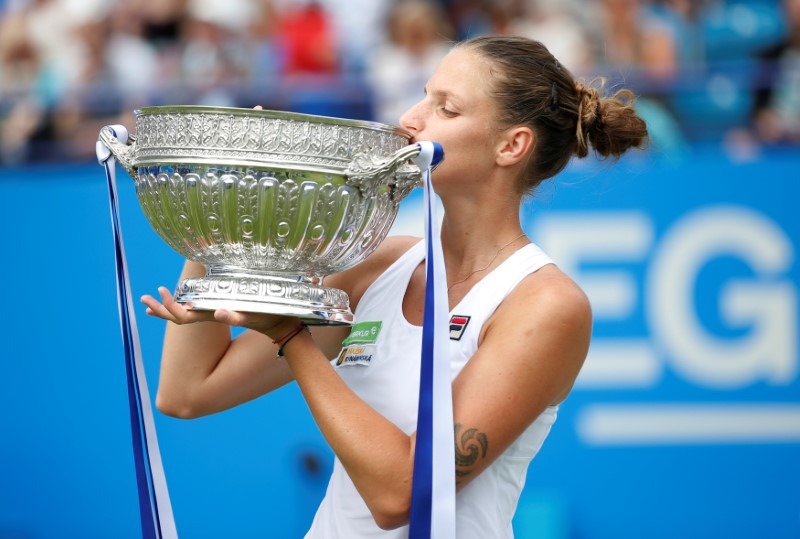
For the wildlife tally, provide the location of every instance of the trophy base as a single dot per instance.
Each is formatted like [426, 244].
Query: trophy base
[251, 292]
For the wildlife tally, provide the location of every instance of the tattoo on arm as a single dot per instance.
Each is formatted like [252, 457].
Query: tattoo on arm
[470, 445]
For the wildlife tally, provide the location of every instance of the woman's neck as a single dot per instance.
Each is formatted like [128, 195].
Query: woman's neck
[473, 235]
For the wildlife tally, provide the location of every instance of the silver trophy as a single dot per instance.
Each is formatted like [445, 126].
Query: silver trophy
[270, 202]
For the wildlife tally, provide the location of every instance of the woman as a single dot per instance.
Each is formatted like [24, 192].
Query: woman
[508, 116]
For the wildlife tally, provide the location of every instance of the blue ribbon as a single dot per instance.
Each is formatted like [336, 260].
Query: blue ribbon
[433, 487]
[155, 510]
[422, 486]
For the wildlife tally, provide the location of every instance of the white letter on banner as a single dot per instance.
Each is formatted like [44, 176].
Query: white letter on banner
[575, 238]
[607, 237]
[769, 351]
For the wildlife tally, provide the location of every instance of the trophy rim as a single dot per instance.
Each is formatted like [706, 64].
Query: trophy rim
[272, 114]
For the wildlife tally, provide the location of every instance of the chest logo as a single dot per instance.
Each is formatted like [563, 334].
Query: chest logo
[458, 324]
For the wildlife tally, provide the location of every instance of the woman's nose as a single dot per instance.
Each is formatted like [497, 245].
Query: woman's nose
[410, 119]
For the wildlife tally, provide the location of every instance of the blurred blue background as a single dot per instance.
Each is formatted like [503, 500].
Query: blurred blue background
[684, 423]
[686, 419]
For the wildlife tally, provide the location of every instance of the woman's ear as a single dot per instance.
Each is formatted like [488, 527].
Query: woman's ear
[515, 145]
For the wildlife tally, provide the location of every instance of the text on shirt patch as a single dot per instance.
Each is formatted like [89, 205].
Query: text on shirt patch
[359, 346]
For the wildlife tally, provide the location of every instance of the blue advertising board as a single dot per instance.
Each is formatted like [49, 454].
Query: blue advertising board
[685, 421]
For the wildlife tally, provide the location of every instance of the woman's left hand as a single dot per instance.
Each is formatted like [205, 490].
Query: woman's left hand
[271, 325]
[168, 309]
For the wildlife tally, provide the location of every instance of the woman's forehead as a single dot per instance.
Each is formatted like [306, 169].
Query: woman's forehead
[462, 74]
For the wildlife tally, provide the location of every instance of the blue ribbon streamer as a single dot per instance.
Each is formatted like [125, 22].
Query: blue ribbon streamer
[433, 487]
[155, 523]
[422, 485]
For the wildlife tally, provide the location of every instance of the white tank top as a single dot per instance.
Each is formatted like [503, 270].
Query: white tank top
[385, 374]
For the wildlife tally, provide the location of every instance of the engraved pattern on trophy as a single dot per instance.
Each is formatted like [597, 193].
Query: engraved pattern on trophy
[269, 202]
[169, 135]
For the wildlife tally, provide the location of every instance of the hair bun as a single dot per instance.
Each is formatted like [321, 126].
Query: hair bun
[588, 103]
[588, 114]
[609, 124]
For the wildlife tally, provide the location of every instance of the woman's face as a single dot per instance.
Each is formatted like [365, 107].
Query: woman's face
[458, 113]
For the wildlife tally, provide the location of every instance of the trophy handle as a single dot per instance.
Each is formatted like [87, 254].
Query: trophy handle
[366, 172]
[122, 150]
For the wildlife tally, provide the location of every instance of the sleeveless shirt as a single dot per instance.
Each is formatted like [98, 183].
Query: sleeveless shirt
[385, 374]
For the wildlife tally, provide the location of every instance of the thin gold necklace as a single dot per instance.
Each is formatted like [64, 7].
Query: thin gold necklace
[487, 265]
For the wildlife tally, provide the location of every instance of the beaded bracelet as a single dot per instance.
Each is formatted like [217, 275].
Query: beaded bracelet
[283, 341]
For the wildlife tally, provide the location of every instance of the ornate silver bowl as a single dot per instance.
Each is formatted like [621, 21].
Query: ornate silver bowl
[270, 202]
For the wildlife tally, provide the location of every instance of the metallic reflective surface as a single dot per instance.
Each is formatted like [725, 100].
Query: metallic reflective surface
[269, 202]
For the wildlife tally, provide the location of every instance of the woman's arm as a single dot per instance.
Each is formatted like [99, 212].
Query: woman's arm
[377, 455]
[203, 371]
[529, 355]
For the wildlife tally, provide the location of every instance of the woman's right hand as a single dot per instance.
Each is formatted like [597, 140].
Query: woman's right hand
[172, 311]
[202, 370]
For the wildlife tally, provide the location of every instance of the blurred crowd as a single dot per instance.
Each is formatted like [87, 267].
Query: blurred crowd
[706, 70]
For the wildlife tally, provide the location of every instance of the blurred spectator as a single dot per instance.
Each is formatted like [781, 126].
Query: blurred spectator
[777, 105]
[47, 29]
[474, 17]
[21, 121]
[20, 60]
[308, 42]
[264, 54]
[67, 67]
[554, 24]
[359, 25]
[214, 56]
[21, 95]
[161, 24]
[37, 49]
[132, 59]
[161, 20]
[628, 40]
[419, 36]
[233, 15]
[633, 46]
[684, 20]
[93, 92]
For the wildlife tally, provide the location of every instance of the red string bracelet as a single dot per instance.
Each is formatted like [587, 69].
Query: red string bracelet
[291, 333]
[285, 340]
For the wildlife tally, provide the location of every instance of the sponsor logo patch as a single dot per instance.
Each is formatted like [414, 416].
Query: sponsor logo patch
[458, 324]
[355, 355]
[359, 346]
[363, 333]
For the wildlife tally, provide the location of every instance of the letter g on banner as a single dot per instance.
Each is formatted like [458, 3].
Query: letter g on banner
[766, 303]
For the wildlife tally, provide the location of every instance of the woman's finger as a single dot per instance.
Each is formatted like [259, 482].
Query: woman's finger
[171, 310]
[178, 311]
[154, 308]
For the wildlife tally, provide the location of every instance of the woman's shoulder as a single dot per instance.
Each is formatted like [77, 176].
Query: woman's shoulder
[551, 287]
[357, 279]
[548, 297]
[547, 320]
